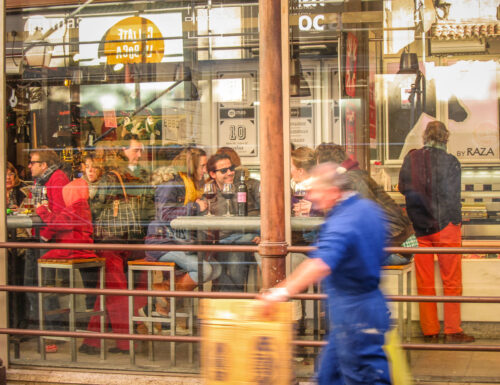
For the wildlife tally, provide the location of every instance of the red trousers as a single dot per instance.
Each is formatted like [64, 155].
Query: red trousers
[116, 306]
[450, 267]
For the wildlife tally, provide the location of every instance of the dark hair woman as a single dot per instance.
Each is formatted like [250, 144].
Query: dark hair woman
[178, 193]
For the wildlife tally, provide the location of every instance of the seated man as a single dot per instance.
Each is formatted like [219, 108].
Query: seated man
[401, 232]
[235, 265]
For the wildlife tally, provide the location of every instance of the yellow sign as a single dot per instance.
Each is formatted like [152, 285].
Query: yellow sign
[134, 40]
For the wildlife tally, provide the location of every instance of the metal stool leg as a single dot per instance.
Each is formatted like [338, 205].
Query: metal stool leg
[102, 307]
[408, 306]
[72, 305]
[400, 304]
[151, 346]
[131, 314]
[173, 312]
[190, 328]
[40, 313]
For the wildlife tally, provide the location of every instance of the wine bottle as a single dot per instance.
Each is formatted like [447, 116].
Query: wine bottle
[242, 194]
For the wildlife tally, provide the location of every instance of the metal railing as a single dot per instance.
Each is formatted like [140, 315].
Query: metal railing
[220, 295]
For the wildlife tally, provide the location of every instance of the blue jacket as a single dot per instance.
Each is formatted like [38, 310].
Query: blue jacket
[351, 242]
[169, 203]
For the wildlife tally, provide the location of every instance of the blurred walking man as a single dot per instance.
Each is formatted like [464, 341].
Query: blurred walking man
[348, 259]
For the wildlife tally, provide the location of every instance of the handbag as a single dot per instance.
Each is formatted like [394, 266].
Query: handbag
[121, 220]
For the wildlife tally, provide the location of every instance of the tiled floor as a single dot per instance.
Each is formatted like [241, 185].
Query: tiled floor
[426, 366]
[471, 367]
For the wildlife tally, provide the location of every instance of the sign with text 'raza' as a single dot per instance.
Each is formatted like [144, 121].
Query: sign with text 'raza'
[237, 128]
[134, 40]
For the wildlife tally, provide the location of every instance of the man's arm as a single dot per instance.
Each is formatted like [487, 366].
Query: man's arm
[310, 271]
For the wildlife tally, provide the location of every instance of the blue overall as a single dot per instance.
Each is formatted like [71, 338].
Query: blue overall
[351, 243]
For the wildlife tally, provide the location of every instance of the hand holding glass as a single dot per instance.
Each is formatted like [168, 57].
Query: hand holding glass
[209, 192]
[299, 192]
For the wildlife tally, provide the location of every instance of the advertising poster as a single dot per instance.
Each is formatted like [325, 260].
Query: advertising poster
[237, 120]
[470, 92]
[238, 128]
[301, 123]
[302, 114]
[351, 59]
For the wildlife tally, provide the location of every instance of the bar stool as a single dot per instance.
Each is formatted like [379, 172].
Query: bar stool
[402, 271]
[150, 267]
[71, 265]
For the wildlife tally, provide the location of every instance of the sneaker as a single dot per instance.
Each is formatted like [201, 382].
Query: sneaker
[161, 311]
[458, 338]
[145, 328]
[431, 339]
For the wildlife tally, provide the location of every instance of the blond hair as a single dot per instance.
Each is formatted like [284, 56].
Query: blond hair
[304, 157]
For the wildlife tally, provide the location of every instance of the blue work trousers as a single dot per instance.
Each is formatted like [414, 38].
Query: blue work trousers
[354, 354]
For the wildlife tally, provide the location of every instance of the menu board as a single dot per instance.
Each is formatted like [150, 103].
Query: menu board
[237, 120]
[238, 128]
[302, 114]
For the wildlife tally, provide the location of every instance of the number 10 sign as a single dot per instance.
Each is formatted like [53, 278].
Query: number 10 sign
[237, 128]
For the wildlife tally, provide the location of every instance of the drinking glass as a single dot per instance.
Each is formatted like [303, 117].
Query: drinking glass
[228, 193]
[299, 192]
[209, 193]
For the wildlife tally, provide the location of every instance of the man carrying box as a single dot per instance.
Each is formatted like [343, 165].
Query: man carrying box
[348, 258]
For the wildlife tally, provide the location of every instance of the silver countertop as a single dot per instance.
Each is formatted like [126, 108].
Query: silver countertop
[238, 223]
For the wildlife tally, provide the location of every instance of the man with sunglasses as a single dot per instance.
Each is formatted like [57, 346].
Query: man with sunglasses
[234, 264]
[49, 181]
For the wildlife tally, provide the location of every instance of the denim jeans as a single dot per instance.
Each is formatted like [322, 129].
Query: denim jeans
[189, 262]
[396, 259]
[235, 265]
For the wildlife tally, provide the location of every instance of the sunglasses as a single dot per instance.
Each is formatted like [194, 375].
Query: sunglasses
[225, 169]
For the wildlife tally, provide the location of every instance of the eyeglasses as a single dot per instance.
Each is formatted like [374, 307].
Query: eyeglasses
[35, 161]
[225, 169]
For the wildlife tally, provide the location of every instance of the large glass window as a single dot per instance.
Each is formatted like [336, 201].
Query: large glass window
[132, 123]
[138, 123]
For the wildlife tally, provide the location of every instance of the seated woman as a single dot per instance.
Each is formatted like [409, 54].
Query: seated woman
[179, 189]
[15, 189]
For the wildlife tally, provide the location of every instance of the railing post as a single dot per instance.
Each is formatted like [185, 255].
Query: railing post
[3, 163]
[273, 245]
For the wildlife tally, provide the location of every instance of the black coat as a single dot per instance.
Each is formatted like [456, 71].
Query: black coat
[430, 180]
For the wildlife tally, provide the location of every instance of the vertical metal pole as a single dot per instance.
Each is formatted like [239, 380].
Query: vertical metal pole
[4, 346]
[273, 246]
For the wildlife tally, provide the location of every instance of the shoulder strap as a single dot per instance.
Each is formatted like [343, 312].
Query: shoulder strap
[121, 183]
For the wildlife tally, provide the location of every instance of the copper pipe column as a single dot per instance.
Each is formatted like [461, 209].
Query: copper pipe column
[273, 246]
[4, 344]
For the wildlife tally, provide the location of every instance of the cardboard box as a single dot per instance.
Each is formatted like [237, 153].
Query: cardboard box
[241, 345]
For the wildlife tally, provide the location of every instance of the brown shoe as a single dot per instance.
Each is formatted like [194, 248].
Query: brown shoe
[458, 338]
[431, 339]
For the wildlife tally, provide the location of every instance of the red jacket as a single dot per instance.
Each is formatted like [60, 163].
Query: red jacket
[54, 186]
[71, 225]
